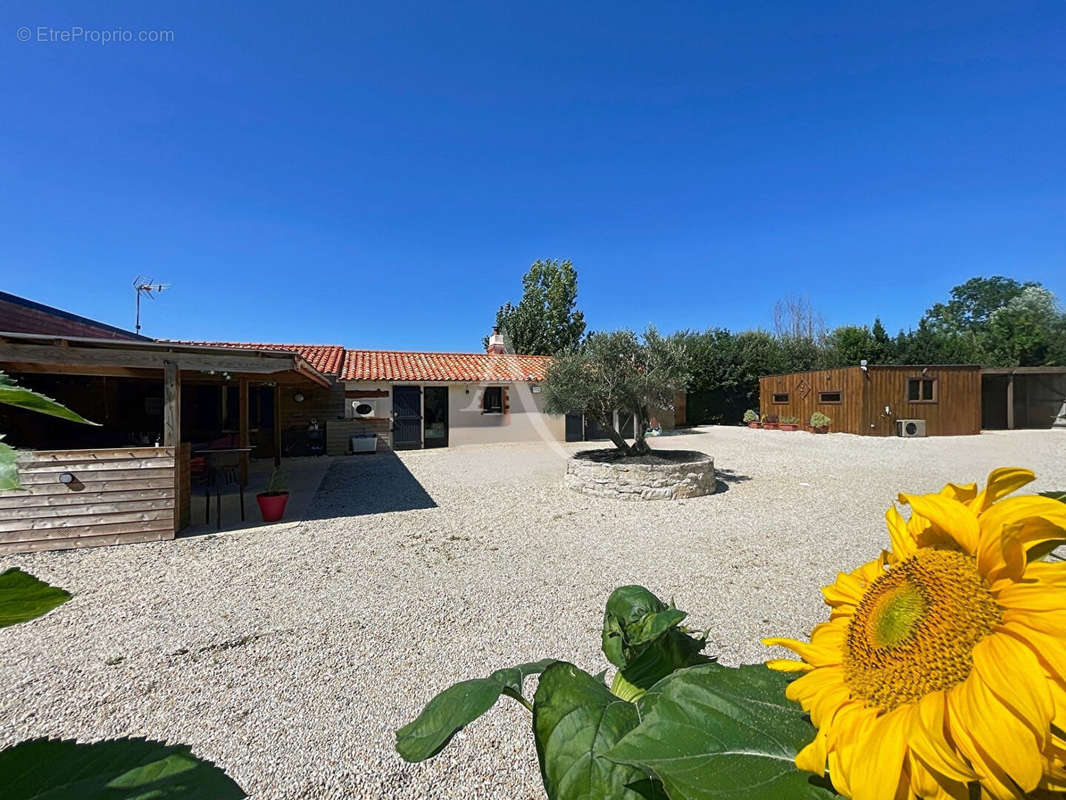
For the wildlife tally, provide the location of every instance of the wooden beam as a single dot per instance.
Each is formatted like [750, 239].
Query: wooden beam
[171, 404]
[277, 425]
[73, 357]
[1010, 402]
[242, 426]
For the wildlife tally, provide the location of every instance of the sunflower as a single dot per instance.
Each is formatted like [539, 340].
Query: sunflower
[942, 666]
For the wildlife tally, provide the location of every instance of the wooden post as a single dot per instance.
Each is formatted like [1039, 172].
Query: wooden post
[242, 426]
[277, 424]
[171, 404]
[1010, 402]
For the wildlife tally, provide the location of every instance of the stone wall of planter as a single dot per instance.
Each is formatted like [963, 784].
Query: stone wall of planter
[691, 476]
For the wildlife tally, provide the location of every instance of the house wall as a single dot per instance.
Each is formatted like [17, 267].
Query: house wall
[524, 421]
[804, 390]
[118, 496]
[956, 412]
[866, 394]
[320, 403]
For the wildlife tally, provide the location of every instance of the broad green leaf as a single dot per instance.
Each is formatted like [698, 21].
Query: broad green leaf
[9, 474]
[24, 597]
[119, 769]
[458, 706]
[15, 395]
[642, 638]
[721, 733]
[1061, 496]
[575, 720]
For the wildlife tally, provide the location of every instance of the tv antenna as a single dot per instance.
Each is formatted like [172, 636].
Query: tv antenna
[144, 286]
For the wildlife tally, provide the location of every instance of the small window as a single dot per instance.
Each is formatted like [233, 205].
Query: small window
[492, 400]
[781, 397]
[921, 390]
[829, 397]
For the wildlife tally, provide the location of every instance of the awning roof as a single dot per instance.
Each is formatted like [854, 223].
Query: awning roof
[96, 356]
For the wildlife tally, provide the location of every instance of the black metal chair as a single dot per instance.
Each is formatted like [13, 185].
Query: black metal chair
[223, 471]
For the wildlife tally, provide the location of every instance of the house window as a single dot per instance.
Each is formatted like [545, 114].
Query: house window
[829, 397]
[921, 390]
[781, 397]
[492, 400]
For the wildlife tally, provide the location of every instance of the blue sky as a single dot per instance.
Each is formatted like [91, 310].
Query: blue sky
[381, 175]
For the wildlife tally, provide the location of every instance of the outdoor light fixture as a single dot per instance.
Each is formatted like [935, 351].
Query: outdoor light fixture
[298, 397]
[66, 478]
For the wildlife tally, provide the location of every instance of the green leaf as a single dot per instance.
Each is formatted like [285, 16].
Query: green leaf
[120, 769]
[720, 733]
[15, 395]
[576, 720]
[24, 597]
[9, 474]
[458, 706]
[642, 638]
[1061, 496]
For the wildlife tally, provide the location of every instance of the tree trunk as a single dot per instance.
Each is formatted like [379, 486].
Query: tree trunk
[619, 442]
[640, 445]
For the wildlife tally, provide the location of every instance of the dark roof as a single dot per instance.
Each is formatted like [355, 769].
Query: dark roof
[29, 316]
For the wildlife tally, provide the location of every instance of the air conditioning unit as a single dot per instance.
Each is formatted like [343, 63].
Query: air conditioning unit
[369, 407]
[910, 428]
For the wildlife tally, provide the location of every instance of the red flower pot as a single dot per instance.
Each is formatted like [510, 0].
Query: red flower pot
[754, 424]
[823, 429]
[786, 427]
[272, 506]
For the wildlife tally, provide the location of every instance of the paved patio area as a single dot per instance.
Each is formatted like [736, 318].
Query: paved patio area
[289, 655]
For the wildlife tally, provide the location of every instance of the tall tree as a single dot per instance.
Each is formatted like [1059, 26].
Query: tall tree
[546, 321]
[618, 371]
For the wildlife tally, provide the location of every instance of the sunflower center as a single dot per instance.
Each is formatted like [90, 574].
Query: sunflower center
[915, 628]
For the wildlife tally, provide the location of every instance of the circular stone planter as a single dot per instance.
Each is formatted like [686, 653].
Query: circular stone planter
[662, 475]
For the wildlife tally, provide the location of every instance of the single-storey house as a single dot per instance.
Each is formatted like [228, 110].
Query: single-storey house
[929, 400]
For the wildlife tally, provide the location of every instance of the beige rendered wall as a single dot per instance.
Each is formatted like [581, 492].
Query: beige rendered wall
[524, 422]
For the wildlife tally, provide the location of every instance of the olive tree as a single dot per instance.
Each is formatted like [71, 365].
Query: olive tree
[618, 371]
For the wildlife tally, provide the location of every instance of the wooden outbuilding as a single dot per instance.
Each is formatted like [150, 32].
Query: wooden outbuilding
[873, 400]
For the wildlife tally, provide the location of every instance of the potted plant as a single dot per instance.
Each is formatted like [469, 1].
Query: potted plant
[769, 421]
[820, 422]
[273, 499]
[751, 418]
[789, 423]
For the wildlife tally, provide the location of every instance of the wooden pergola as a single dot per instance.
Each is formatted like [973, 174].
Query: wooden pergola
[171, 363]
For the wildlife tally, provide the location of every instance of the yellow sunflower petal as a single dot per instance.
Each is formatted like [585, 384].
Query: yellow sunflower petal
[947, 517]
[930, 743]
[964, 493]
[812, 757]
[1000, 483]
[1011, 527]
[903, 544]
[1049, 649]
[812, 654]
[878, 768]
[993, 738]
[788, 665]
[1012, 672]
[805, 688]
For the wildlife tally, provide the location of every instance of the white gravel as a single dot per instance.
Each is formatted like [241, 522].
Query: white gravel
[290, 657]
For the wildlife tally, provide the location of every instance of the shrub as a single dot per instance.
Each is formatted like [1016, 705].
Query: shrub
[751, 416]
[789, 420]
[819, 420]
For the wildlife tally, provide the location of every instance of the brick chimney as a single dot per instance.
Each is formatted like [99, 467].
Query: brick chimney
[496, 342]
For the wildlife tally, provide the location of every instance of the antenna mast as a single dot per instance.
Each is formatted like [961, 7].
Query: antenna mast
[142, 285]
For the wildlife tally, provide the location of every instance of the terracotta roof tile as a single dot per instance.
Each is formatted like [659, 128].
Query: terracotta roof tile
[395, 365]
[326, 358]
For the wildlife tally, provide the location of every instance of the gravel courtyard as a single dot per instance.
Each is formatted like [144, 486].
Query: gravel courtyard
[289, 657]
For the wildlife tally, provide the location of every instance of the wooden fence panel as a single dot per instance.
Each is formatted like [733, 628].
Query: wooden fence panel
[117, 496]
